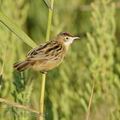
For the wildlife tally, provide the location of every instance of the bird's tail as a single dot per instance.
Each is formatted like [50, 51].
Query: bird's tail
[22, 65]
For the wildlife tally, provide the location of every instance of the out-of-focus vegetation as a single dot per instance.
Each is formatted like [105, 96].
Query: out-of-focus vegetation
[92, 60]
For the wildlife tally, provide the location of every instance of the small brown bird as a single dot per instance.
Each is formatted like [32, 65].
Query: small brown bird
[47, 55]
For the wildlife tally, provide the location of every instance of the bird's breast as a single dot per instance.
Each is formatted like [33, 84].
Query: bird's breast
[46, 65]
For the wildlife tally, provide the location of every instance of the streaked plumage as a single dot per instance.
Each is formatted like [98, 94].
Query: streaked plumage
[47, 55]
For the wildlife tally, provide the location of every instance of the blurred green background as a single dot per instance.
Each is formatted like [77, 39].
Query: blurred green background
[92, 60]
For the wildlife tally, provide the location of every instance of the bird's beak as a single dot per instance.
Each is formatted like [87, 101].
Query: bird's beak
[74, 38]
[71, 39]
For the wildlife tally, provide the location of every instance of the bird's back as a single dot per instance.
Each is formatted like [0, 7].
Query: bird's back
[47, 56]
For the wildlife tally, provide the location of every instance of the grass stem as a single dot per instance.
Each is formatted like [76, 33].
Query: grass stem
[44, 75]
[49, 21]
[42, 96]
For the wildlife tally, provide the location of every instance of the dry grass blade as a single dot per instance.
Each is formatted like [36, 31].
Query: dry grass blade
[90, 102]
[13, 104]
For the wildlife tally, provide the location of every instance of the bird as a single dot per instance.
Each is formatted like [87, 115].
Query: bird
[48, 55]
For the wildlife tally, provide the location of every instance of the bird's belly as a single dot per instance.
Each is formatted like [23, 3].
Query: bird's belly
[46, 65]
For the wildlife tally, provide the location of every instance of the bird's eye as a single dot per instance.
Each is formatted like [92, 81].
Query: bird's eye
[66, 38]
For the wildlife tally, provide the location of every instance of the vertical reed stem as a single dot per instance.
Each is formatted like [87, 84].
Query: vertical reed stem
[44, 75]
[49, 21]
[42, 97]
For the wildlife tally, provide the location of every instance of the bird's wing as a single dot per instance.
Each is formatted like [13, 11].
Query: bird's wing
[34, 51]
[45, 51]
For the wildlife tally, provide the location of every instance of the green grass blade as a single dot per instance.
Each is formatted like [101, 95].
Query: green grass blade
[16, 30]
[48, 3]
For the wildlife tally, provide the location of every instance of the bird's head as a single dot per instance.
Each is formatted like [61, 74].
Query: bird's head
[66, 38]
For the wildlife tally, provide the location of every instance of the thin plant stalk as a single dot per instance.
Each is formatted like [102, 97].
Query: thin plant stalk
[49, 21]
[90, 102]
[44, 75]
[42, 96]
